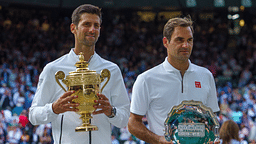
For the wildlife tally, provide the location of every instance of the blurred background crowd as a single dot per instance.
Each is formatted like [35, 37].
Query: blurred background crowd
[32, 37]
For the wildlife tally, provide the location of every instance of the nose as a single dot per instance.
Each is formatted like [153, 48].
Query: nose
[92, 29]
[185, 44]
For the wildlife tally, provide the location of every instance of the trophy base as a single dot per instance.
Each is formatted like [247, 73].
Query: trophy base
[86, 128]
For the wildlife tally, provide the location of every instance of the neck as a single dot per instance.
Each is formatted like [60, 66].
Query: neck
[181, 65]
[88, 51]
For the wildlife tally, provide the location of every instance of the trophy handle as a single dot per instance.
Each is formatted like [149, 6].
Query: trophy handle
[103, 74]
[60, 75]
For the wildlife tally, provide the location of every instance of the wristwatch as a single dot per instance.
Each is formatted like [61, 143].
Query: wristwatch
[113, 112]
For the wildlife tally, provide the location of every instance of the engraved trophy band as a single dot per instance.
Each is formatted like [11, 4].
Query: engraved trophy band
[191, 122]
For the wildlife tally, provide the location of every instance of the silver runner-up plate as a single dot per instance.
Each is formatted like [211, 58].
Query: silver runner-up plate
[191, 122]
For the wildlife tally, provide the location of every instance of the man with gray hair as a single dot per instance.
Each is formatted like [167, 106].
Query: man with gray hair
[157, 90]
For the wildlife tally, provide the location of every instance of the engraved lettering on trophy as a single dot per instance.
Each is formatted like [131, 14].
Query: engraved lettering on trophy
[191, 122]
[191, 130]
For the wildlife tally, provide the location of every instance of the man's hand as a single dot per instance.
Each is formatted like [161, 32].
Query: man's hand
[137, 128]
[64, 103]
[103, 104]
[216, 142]
[163, 141]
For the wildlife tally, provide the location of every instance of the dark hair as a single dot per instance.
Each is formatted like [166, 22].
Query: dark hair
[174, 22]
[85, 8]
[228, 131]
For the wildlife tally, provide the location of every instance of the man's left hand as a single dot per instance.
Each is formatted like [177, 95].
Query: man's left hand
[102, 104]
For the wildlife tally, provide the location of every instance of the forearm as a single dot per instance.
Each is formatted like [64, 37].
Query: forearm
[122, 116]
[120, 100]
[139, 130]
[41, 115]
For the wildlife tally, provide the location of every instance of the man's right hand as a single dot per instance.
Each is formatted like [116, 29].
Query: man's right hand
[163, 141]
[64, 103]
[137, 128]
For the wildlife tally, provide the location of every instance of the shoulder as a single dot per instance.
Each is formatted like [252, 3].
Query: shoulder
[155, 71]
[108, 65]
[201, 70]
[52, 65]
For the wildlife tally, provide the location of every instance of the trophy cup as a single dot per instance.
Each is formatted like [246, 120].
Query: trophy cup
[86, 84]
[191, 122]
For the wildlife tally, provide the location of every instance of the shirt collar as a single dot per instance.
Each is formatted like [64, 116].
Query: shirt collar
[169, 68]
[76, 57]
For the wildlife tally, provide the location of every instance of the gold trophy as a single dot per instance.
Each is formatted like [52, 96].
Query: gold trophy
[86, 84]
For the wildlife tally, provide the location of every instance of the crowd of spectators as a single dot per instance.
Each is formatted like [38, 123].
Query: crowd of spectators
[29, 39]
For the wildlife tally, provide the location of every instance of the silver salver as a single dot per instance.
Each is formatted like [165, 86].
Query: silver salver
[191, 122]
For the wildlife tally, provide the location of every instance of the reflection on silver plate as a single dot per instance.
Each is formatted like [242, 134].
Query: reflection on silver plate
[191, 122]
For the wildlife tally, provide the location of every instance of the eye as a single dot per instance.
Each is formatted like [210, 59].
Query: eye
[86, 24]
[190, 40]
[179, 39]
[97, 26]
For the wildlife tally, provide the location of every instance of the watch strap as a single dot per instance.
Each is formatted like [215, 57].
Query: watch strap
[113, 112]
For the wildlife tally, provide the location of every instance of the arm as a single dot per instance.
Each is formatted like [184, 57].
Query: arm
[118, 98]
[41, 111]
[50, 100]
[138, 129]
[212, 101]
[61, 105]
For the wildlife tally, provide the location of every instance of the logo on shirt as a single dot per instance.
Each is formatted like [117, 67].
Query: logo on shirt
[197, 84]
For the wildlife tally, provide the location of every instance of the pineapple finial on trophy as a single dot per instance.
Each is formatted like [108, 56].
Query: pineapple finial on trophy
[81, 64]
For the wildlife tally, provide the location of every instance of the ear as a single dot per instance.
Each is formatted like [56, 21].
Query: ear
[165, 42]
[73, 28]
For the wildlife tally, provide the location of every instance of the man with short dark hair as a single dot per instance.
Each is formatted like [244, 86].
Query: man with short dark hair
[52, 104]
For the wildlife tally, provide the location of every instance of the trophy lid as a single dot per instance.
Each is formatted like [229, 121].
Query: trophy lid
[82, 66]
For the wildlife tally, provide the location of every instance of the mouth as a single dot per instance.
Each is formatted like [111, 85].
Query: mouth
[90, 37]
[184, 51]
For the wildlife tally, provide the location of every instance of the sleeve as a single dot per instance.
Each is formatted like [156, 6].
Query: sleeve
[119, 99]
[40, 111]
[140, 94]
[212, 101]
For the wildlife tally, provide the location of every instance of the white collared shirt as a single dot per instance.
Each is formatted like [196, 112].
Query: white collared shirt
[49, 91]
[157, 90]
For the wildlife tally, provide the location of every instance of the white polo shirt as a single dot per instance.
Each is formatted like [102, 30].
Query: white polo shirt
[157, 90]
[49, 91]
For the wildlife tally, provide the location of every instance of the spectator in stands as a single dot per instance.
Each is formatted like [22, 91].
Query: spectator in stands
[245, 76]
[5, 74]
[14, 134]
[6, 100]
[25, 137]
[34, 138]
[237, 116]
[23, 118]
[125, 134]
[45, 138]
[2, 133]
[130, 141]
[242, 139]
[252, 135]
[229, 133]
[114, 140]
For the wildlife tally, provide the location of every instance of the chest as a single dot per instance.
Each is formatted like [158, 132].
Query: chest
[172, 89]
